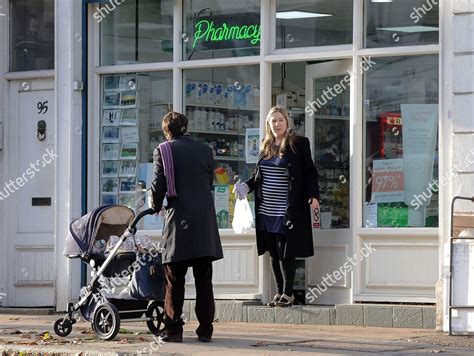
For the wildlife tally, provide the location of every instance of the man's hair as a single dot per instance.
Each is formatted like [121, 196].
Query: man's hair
[174, 124]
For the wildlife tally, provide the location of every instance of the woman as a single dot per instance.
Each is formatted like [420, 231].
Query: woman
[184, 172]
[285, 182]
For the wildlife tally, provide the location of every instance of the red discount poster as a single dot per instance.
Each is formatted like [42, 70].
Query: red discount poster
[387, 181]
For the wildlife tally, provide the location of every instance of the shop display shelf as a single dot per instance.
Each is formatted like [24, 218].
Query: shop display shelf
[330, 117]
[223, 107]
[228, 158]
[216, 132]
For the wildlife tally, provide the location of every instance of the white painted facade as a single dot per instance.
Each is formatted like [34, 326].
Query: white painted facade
[407, 263]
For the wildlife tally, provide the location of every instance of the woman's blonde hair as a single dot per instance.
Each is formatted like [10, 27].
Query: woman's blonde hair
[268, 147]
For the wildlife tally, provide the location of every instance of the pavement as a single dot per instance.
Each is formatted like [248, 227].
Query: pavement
[34, 335]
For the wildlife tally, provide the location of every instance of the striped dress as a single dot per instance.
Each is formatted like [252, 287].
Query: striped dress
[274, 194]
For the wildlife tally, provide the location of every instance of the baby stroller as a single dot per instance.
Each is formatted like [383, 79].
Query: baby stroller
[101, 302]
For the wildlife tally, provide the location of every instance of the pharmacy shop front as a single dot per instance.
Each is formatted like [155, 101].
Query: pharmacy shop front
[358, 78]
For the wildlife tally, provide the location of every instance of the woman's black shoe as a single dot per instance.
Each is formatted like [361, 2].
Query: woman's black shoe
[171, 337]
[205, 338]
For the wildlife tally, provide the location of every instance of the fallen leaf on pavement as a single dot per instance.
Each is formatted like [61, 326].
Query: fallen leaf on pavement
[26, 336]
[47, 337]
[15, 332]
[14, 318]
[124, 341]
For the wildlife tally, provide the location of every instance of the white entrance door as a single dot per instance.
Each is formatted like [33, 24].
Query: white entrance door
[30, 205]
[328, 128]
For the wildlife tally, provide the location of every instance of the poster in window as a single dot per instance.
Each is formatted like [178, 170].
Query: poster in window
[110, 151]
[387, 181]
[109, 199]
[111, 83]
[129, 151]
[129, 117]
[128, 185]
[112, 100]
[252, 144]
[109, 185]
[130, 134]
[111, 118]
[110, 168]
[111, 134]
[128, 99]
[128, 168]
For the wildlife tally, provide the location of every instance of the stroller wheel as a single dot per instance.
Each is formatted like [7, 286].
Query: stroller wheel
[106, 321]
[157, 313]
[62, 327]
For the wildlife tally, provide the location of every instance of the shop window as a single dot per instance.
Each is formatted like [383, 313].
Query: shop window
[313, 23]
[133, 106]
[329, 131]
[222, 106]
[31, 35]
[221, 28]
[401, 142]
[392, 23]
[136, 31]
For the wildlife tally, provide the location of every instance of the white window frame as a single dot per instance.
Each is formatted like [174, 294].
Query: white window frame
[268, 56]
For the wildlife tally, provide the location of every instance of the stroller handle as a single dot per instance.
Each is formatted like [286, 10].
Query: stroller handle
[132, 227]
[452, 209]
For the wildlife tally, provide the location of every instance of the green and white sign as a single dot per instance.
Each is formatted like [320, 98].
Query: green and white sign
[226, 31]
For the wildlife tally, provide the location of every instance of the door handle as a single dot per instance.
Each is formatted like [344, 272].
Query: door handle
[41, 130]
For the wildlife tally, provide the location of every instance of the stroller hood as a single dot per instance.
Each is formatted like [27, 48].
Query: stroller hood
[83, 231]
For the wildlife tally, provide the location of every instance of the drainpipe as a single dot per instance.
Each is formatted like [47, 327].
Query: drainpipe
[84, 127]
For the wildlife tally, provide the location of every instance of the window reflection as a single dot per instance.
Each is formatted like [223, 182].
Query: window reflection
[401, 23]
[313, 23]
[137, 31]
[32, 35]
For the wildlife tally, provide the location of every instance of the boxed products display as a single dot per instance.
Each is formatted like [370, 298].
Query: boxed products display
[219, 114]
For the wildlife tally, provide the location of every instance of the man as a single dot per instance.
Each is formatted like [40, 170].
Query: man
[184, 171]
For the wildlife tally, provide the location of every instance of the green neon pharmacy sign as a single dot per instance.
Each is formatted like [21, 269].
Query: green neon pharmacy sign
[208, 31]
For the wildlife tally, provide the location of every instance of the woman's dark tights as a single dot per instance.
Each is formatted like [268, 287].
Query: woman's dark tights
[284, 274]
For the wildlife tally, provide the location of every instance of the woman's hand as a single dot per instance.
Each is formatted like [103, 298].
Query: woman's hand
[314, 203]
[241, 190]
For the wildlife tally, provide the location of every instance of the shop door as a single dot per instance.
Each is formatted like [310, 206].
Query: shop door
[30, 205]
[328, 127]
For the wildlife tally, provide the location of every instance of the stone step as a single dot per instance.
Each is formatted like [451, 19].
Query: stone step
[27, 311]
[382, 315]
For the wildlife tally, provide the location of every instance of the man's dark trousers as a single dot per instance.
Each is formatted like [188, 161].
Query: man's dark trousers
[174, 297]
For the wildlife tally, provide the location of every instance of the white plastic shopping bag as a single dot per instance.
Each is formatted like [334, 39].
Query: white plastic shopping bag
[243, 217]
